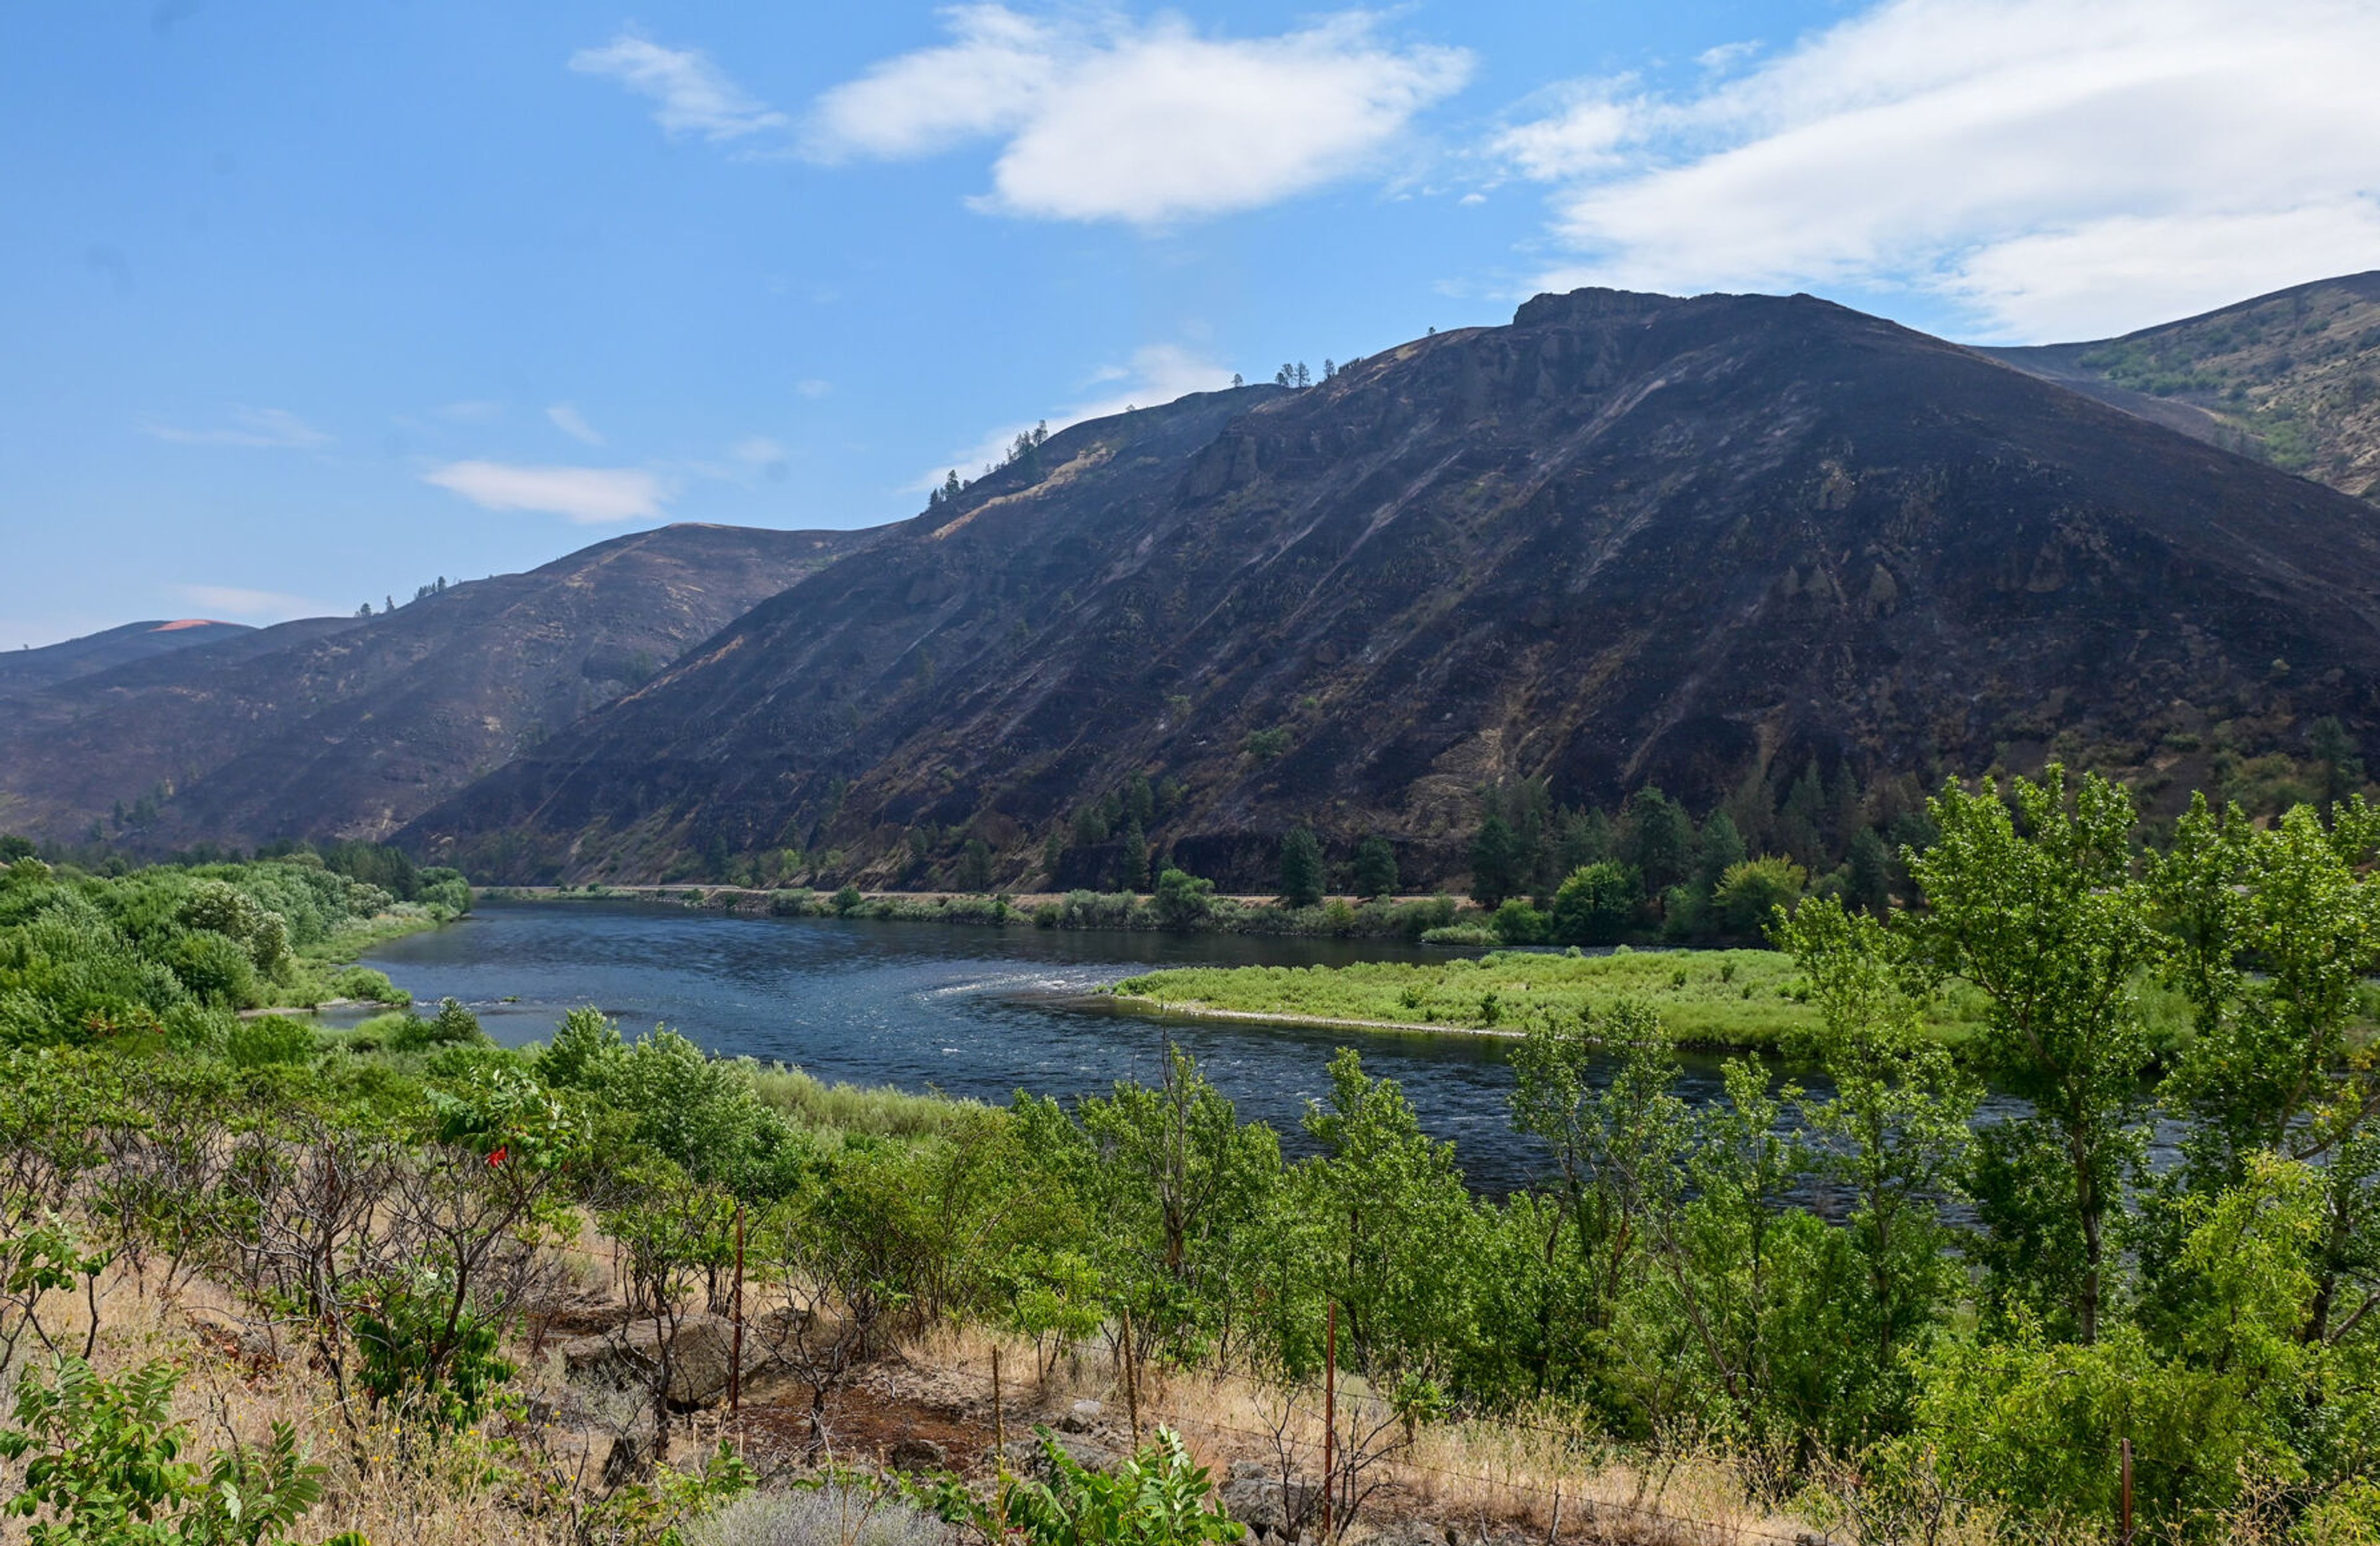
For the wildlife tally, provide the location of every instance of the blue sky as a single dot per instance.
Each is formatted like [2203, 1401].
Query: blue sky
[311, 304]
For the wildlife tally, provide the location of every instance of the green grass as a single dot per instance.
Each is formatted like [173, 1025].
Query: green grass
[1732, 998]
[851, 1108]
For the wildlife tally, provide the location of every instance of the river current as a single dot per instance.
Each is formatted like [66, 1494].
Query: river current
[969, 1011]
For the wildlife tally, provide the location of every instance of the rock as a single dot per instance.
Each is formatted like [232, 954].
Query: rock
[626, 1358]
[918, 1455]
[1082, 1419]
[630, 1458]
[1027, 1457]
[1262, 1504]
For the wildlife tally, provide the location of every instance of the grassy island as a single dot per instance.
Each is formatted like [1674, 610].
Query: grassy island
[1731, 998]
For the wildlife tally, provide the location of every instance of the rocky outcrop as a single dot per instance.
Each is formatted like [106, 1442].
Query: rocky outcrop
[629, 1359]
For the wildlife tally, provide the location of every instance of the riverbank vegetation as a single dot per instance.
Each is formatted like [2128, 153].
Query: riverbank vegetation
[1885, 1310]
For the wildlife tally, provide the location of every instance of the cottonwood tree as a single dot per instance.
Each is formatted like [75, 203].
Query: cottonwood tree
[2050, 922]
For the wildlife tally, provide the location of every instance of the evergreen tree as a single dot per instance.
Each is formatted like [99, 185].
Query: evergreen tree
[952, 486]
[1301, 868]
[1136, 858]
[975, 866]
[1719, 849]
[1658, 838]
[1869, 885]
[1053, 852]
[1303, 377]
[1495, 862]
[1800, 821]
[1376, 867]
[2342, 771]
[1139, 800]
[1582, 837]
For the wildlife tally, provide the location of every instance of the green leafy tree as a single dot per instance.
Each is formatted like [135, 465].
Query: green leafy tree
[1899, 1131]
[1390, 1224]
[1183, 900]
[2050, 923]
[1750, 893]
[1301, 868]
[1595, 903]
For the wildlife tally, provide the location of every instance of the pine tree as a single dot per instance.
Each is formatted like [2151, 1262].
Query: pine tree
[1135, 859]
[1301, 868]
[1494, 862]
[1053, 853]
[1303, 377]
[1376, 867]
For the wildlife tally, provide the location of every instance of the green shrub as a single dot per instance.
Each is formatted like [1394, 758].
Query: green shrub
[269, 1040]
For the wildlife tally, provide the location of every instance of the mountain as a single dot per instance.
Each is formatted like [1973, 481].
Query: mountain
[348, 727]
[1626, 539]
[2292, 377]
[29, 670]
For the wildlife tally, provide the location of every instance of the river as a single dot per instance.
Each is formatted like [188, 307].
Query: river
[965, 1010]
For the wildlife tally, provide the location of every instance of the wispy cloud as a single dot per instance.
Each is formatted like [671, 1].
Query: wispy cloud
[587, 494]
[2052, 169]
[1156, 374]
[568, 420]
[470, 410]
[1107, 119]
[245, 606]
[690, 94]
[263, 428]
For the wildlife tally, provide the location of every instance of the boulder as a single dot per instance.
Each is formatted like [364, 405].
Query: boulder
[627, 1358]
[1083, 1416]
[918, 1455]
[1027, 1457]
[1262, 1504]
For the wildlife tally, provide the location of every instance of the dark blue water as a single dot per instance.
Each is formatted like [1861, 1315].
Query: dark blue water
[968, 1011]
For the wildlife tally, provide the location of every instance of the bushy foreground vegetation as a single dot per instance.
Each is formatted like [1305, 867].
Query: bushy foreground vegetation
[1897, 1316]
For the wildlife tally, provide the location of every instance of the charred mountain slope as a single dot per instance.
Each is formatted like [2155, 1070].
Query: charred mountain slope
[1626, 539]
[350, 727]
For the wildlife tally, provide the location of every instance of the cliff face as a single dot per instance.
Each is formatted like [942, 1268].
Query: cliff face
[2291, 378]
[1627, 539]
[350, 727]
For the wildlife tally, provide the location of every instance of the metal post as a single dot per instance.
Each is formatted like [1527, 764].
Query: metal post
[1330, 1407]
[1130, 1382]
[999, 1425]
[2125, 1534]
[736, 1353]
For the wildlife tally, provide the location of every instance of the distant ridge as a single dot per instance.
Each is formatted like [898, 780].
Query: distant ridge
[23, 670]
[349, 727]
[2291, 378]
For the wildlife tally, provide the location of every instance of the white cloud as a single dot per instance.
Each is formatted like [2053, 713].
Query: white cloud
[690, 94]
[241, 604]
[587, 494]
[265, 428]
[568, 420]
[813, 388]
[2055, 169]
[1158, 374]
[1112, 120]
